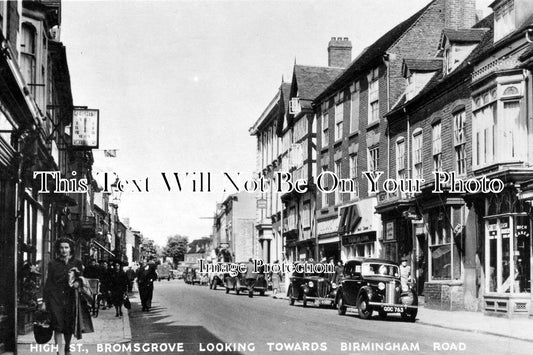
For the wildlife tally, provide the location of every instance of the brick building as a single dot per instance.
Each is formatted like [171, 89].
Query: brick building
[467, 115]
[352, 131]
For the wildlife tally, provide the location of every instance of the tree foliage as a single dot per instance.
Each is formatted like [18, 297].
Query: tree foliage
[149, 250]
[176, 248]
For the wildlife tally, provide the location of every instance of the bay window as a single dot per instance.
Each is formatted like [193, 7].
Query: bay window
[498, 122]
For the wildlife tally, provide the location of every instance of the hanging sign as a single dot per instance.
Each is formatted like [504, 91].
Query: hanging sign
[85, 128]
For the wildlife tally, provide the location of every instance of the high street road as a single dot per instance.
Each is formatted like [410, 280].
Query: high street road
[203, 321]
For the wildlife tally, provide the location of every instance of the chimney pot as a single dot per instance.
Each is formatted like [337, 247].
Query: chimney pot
[339, 52]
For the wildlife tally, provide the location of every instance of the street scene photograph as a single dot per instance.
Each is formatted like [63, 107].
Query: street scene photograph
[266, 177]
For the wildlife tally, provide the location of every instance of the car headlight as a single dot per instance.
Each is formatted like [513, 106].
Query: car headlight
[405, 288]
[334, 285]
[381, 286]
[311, 284]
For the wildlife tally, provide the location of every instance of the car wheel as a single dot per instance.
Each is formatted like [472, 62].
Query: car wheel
[261, 293]
[409, 316]
[365, 312]
[291, 299]
[211, 286]
[304, 300]
[227, 289]
[237, 291]
[214, 284]
[341, 308]
[382, 314]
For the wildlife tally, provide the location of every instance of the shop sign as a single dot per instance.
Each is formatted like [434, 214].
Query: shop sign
[327, 227]
[261, 203]
[359, 238]
[85, 128]
[390, 231]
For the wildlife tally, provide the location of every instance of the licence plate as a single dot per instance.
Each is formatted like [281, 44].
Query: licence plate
[326, 302]
[394, 309]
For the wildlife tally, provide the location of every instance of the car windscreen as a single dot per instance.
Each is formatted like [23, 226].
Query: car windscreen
[383, 269]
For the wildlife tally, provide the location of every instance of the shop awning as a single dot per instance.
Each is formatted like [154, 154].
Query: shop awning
[350, 218]
[103, 248]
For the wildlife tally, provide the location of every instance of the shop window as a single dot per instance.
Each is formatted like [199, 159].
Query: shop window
[508, 252]
[444, 258]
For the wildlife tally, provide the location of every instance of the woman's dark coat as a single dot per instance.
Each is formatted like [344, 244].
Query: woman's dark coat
[59, 296]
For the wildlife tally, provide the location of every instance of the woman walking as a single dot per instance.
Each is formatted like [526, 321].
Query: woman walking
[119, 288]
[59, 296]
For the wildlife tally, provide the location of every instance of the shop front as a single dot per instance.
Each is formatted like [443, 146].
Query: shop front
[359, 228]
[328, 239]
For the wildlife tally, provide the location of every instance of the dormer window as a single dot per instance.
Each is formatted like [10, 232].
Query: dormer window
[504, 19]
[417, 73]
[458, 44]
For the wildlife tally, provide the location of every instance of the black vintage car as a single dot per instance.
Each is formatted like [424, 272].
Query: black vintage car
[374, 285]
[240, 283]
[191, 275]
[312, 287]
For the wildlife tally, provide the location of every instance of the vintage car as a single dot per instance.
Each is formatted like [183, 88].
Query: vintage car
[312, 287]
[191, 275]
[374, 285]
[216, 279]
[239, 283]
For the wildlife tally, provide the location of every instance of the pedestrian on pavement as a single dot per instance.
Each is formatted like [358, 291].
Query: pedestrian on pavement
[92, 271]
[405, 273]
[276, 278]
[105, 284]
[119, 288]
[131, 276]
[339, 271]
[250, 276]
[146, 275]
[59, 296]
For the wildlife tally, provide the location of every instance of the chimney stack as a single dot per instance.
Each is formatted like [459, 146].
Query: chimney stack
[460, 14]
[339, 52]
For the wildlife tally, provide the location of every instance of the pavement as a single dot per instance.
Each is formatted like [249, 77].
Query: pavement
[108, 329]
[474, 322]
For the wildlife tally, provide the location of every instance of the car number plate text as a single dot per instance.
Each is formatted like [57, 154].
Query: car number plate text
[393, 309]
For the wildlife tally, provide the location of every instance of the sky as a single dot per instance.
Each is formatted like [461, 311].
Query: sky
[179, 84]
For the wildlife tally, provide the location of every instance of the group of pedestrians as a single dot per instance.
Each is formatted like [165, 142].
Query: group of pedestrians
[67, 294]
[114, 283]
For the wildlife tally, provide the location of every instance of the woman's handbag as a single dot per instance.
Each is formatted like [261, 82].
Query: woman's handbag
[42, 330]
[127, 302]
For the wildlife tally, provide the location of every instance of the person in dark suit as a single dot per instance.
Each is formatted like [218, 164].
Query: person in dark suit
[59, 296]
[251, 277]
[146, 275]
[118, 287]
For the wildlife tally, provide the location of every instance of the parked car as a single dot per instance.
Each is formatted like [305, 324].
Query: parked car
[374, 285]
[192, 275]
[176, 274]
[216, 279]
[312, 287]
[239, 283]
